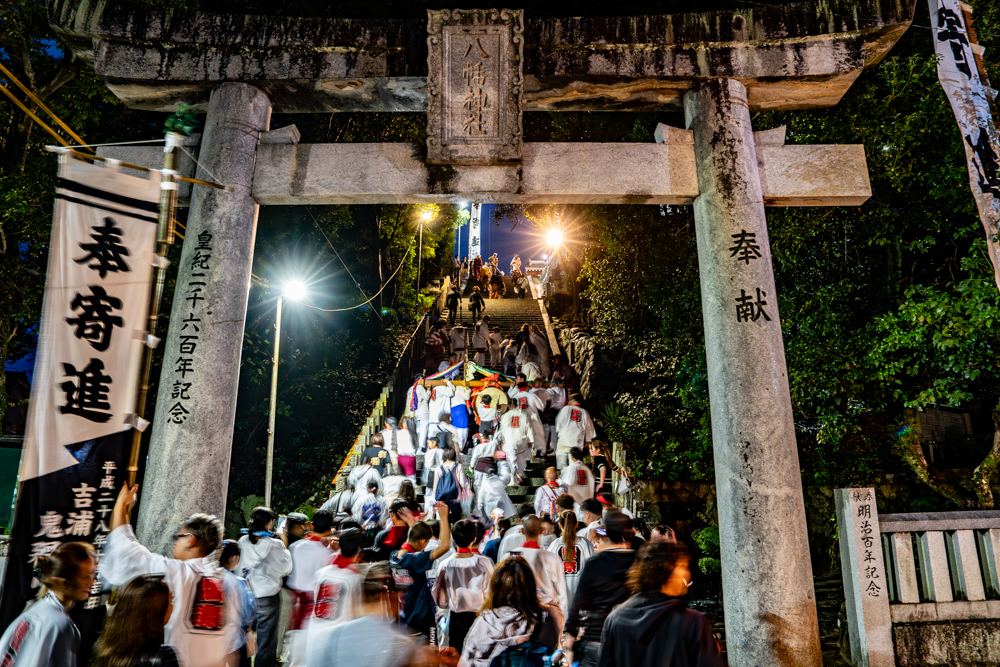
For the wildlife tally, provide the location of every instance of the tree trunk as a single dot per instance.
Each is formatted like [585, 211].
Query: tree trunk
[980, 481]
[907, 447]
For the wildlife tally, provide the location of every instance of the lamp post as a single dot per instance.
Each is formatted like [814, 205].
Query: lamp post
[294, 290]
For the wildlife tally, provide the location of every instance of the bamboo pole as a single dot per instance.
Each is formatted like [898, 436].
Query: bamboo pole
[168, 200]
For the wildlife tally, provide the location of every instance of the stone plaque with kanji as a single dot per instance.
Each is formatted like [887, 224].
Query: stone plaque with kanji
[474, 61]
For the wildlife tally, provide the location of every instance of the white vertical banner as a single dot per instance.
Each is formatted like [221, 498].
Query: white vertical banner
[959, 76]
[94, 311]
[475, 231]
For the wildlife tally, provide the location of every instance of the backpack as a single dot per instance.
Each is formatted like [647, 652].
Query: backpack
[528, 654]
[447, 489]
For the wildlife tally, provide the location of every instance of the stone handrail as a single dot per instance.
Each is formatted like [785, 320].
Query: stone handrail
[908, 578]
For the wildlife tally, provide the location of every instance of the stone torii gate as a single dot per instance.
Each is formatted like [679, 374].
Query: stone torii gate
[475, 72]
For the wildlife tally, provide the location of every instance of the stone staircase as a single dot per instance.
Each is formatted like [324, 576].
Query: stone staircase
[534, 477]
[507, 314]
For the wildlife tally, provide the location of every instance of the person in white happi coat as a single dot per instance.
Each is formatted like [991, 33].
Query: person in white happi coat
[546, 494]
[44, 634]
[439, 404]
[517, 437]
[457, 337]
[199, 635]
[359, 477]
[337, 591]
[481, 449]
[481, 339]
[462, 582]
[399, 442]
[541, 343]
[495, 340]
[513, 388]
[545, 565]
[578, 479]
[492, 490]
[557, 398]
[417, 398]
[532, 405]
[579, 552]
[574, 428]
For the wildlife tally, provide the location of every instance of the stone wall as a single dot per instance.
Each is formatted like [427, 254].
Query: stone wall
[953, 643]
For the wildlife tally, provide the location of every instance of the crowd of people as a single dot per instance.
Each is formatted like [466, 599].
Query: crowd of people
[377, 577]
[489, 278]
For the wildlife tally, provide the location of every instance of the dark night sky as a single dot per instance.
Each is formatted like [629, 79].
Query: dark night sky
[523, 240]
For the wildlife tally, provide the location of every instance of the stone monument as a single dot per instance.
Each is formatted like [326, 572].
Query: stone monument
[475, 72]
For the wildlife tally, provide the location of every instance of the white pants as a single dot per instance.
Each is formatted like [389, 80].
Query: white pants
[562, 460]
[516, 456]
[539, 430]
[481, 358]
[422, 425]
[463, 437]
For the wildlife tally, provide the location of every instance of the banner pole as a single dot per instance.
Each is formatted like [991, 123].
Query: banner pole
[164, 237]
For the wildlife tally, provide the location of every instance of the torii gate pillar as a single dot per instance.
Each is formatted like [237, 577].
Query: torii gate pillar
[767, 579]
[188, 463]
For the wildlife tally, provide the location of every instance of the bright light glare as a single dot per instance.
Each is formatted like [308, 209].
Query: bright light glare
[554, 237]
[427, 215]
[295, 290]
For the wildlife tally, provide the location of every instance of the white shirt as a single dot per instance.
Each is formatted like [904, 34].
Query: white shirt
[268, 561]
[309, 556]
[515, 428]
[574, 426]
[125, 559]
[47, 636]
[377, 503]
[548, 570]
[457, 338]
[440, 402]
[339, 502]
[404, 441]
[422, 396]
[461, 584]
[579, 481]
[492, 493]
[481, 337]
[583, 550]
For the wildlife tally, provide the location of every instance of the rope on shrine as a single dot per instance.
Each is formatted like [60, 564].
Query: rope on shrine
[338, 310]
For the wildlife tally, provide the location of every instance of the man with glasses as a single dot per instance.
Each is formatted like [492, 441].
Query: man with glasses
[203, 628]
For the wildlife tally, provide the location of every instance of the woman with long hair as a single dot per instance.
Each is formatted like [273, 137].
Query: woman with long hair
[133, 632]
[574, 551]
[512, 614]
[407, 492]
[45, 634]
[267, 558]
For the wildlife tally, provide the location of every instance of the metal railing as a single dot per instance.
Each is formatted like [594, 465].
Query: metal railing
[391, 399]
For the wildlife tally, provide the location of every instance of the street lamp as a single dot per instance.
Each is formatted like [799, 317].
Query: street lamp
[425, 217]
[296, 291]
[554, 237]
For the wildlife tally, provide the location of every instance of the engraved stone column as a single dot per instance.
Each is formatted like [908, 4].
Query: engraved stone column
[766, 573]
[187, 469]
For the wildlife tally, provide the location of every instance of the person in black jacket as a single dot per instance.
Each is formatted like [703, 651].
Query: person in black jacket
[654, 627]
[600, 588]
